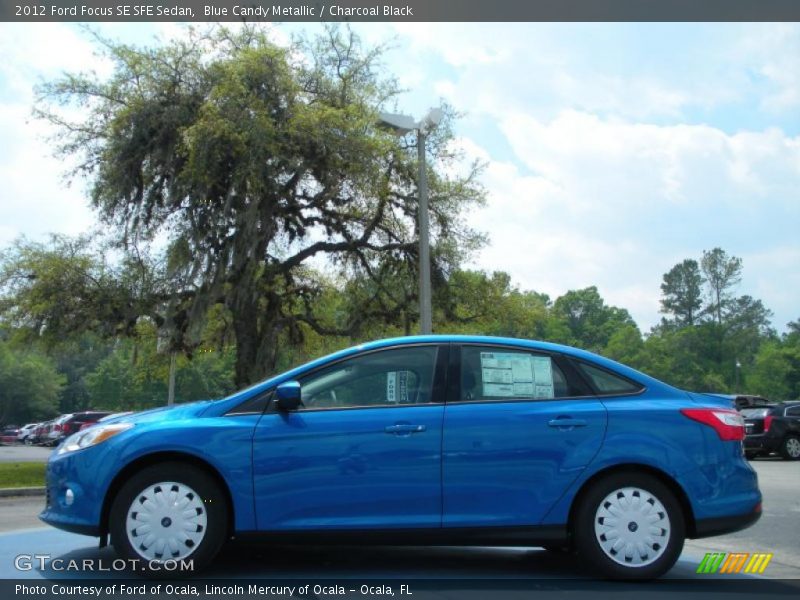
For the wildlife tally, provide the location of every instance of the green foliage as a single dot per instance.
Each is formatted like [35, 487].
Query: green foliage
[254, 159]
[589, 322]
[682, 295]
[722, 272]
[29, 386]
[134, 376]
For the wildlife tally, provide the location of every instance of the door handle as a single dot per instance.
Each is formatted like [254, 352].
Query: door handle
[567, 423]
[404, 429]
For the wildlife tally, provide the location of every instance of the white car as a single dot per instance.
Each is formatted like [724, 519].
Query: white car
[25, 433]
[55, 434]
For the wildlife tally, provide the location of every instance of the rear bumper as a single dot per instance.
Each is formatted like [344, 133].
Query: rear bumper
[721, 525]
[761, 442]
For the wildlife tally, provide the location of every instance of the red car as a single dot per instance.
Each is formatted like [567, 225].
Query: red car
[9, 436]
[69, 424]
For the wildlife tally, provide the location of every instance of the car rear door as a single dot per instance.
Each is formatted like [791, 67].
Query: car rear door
[519, 427]
[365, 450]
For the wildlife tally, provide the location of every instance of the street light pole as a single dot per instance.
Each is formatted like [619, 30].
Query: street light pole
[401, 125]
[425, 310]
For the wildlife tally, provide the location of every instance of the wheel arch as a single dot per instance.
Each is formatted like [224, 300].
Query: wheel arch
[666, 479]
[157, 458]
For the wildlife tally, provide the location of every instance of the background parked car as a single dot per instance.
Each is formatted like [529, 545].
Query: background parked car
[774, 428]
[38, 432]
[66, 425]
[9, 435]
[106, 418]
[26, 432]
[741, 401]
[54, 433]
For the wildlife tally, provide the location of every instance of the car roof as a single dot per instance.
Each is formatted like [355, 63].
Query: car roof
[624, 370]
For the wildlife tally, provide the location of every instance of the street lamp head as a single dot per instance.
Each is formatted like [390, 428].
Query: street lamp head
[403, 124]
[432, 119]
[400, 124]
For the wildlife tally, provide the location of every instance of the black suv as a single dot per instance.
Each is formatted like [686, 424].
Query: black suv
[774, 428]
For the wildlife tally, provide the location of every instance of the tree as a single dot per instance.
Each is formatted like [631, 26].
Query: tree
[722, 273]
[682, 294]
[254, 160]
[590, 322]
[776, 372]
[29, 386]
[61, 289]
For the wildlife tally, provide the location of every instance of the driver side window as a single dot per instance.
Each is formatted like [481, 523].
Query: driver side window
[383, 378]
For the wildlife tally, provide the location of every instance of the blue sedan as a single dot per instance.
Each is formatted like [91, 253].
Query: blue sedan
[419, 440]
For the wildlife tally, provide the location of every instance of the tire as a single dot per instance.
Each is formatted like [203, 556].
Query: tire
[178, 535]
[790, 447]
[642, 499]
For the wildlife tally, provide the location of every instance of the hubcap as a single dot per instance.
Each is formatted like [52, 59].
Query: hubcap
[166, 521]
[793, 447]
[632, 527]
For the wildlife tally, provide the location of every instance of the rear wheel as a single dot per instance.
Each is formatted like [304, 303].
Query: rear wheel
[629, 526]
[790, 448]
[170, 512]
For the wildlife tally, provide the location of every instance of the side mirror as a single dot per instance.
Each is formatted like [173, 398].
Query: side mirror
[288, 396]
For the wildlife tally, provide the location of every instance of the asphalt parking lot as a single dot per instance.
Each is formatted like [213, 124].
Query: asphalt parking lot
[24, 454]
[778, 532]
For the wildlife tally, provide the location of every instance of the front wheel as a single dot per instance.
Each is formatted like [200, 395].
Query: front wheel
[168, 514]
[790, 448]
[629, 526]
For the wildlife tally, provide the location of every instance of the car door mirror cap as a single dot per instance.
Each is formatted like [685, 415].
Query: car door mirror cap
[288, 396]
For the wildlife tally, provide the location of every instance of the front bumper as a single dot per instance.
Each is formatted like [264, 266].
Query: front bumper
[81, 473]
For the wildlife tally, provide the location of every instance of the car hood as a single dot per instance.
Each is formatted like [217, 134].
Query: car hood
[164, 413]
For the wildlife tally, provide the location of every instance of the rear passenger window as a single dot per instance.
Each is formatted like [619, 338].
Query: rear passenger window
[489, 373]
[793, 411]
[608, 383]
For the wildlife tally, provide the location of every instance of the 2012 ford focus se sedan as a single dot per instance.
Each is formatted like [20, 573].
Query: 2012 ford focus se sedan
[420, 440]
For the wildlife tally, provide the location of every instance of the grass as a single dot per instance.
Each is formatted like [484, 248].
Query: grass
[21, 474]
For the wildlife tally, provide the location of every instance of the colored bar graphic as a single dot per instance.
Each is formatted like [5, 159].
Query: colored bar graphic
[758, 563]
[721, 562]
[734, 562]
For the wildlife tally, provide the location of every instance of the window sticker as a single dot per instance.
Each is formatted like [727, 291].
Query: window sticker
[397, 387]
[514, 375]
[391, 387]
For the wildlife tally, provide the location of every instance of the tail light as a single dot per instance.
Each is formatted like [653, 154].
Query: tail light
[728, 424]
[767, 423]
[56, 427]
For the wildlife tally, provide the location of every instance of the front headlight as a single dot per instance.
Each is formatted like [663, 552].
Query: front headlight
[92, 436]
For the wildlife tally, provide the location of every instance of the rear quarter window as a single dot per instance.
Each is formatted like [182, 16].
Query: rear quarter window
[607, 383]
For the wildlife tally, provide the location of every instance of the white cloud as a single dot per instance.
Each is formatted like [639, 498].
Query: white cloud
[616, 204]
[34, 200]
[772, 53]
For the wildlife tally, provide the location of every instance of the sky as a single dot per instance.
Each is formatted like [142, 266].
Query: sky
[612, 151]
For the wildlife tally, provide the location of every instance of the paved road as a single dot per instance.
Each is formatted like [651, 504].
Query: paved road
[778, 532]
[24, 454]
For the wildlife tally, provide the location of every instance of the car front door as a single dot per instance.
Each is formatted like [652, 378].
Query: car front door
[364, 450]
[518, 430]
